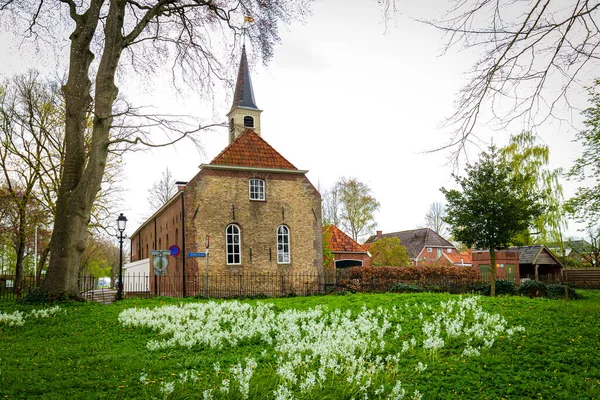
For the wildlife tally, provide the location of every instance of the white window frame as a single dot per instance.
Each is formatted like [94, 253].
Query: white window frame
[430, 249]
[257, 189]
[449, 250]
[236, 247]
[283, 245]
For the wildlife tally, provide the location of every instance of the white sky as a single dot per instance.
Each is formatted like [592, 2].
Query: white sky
[342, 97]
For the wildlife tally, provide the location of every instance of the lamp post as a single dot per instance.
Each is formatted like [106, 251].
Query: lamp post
[121, 224]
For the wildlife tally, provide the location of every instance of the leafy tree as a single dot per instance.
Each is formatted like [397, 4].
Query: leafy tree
[356, 207]
[528, 163]
[162, 190]
[585, 205]
[434, 219]
[389, 252]
[186, 34]
[328, 261]
[490, 208]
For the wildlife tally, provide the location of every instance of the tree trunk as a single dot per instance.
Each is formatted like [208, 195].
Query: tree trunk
[38, 273]
[73, 206]
[493, 272]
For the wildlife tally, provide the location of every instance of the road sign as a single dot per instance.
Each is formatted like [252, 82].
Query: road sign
[175, 250]
[160, 252]
[196, 254]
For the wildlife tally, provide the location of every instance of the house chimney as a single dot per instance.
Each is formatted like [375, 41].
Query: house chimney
[379, 233]
[180, 185]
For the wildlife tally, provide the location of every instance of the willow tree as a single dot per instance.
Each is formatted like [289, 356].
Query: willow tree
[189, 36]
[529, 163]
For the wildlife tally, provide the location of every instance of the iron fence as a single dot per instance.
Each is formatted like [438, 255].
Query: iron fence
[277, 284]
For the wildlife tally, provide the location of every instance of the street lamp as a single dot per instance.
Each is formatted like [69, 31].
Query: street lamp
[121, 224]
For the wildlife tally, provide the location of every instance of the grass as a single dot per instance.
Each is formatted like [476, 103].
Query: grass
[84, 352]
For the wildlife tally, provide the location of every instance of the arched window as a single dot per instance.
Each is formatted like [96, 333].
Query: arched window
[257, 189]
[231, 125]
[283, 245]
[233, 240]
[248, 122]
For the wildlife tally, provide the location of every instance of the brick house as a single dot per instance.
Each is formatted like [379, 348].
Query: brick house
[424, 245]
[346, 251]
[262, 214]
[507, 264]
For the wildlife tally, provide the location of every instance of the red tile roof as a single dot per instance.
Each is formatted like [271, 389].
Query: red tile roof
[456, 258]
[339, 242]
[250, 150]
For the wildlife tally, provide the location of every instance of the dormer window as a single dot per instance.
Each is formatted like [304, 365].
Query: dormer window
[248, 122]
[257, 189]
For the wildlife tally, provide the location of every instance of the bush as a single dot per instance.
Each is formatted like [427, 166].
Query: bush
[406, 288]
[558, 292]
[36, 296]
[502, 287]
[534, 289]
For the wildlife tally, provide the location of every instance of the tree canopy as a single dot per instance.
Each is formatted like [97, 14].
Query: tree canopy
[351, 203]
[528, 162]
[389, 252]
[490, 208]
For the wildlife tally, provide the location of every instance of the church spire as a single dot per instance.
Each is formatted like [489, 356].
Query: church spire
[244, 95]
[244, 113]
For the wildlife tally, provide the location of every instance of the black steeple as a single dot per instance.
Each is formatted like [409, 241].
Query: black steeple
[244, 95]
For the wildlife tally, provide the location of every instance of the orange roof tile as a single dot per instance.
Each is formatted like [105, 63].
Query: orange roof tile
[456, 257]
[250, 150]
[339, 242]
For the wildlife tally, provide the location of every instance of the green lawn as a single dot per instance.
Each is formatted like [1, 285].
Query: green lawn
[375, 346]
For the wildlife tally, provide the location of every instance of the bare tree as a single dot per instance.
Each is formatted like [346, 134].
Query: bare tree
[184, 33]
[162, 190]
[356, 207]
[331, 207]
[534, 55]
[434, 218]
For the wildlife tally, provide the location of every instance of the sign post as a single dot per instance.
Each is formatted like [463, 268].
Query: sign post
[207, 246]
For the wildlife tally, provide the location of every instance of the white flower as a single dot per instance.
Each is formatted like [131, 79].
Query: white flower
[421, 367]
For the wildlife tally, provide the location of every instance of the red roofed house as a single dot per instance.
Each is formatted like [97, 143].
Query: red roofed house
[261, 212]
[346, 252]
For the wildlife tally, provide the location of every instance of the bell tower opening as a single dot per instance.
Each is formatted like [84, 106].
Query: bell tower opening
[248, 122]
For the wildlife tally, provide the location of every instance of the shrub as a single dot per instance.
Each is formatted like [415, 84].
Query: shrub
[558, 292]
[36, 296]
[534, 289]
[406, 288]
[502, 287]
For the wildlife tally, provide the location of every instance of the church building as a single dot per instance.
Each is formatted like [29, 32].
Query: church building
[260, 213]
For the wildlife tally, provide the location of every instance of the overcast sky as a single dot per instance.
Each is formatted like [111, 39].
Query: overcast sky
[343, 96]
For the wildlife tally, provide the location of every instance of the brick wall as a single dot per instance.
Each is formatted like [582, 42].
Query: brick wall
[217, 198]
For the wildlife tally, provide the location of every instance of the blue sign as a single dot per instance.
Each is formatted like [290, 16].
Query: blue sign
[196, 254]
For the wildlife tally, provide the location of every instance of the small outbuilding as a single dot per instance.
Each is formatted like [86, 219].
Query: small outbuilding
[539, 263]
